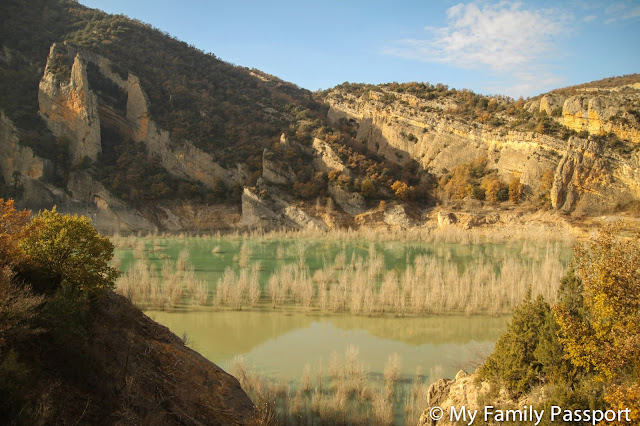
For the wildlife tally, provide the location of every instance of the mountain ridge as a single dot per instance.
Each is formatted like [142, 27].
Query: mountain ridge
[144, 129]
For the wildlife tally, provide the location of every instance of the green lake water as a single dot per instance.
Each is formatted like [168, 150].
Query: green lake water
[281, 342]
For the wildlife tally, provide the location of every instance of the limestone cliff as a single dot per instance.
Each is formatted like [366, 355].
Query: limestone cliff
[591, 175]
[413, 128]
[73, 110]
[466, 390]
[588, 181]
[604, 111]
[70, 109]
[20, 167]
[267, 208]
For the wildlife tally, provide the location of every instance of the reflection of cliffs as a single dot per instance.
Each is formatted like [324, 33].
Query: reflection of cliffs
[256, 328]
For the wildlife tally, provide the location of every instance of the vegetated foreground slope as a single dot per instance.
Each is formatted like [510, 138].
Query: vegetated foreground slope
[109, 117]
[72, 351]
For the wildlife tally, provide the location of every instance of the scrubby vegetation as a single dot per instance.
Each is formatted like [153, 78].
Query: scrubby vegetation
[584, 349]
[346, 393]
[52, 270]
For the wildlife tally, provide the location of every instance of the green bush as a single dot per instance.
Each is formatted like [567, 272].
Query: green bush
[516, 362]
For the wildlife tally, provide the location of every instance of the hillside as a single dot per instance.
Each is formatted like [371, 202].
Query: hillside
[109, 117]
[126, 369]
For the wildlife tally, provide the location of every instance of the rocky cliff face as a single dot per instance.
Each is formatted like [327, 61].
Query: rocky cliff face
[602, 112]
[588, 181]
[71, 109]
[267, 208]
[20, 167]
[589, 176]
[419, 129]
[466, 390]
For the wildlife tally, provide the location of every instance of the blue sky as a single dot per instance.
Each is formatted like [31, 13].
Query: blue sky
[491, 47]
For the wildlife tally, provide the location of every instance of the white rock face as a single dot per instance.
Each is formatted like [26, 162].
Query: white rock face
[351, 202]
[267, 210]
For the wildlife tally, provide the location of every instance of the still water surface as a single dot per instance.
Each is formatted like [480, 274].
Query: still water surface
[280, 344]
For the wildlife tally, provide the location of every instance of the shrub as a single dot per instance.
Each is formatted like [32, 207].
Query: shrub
[600, 328]
[515, 361]
[69, 250]
[12, 228]
[368, 189]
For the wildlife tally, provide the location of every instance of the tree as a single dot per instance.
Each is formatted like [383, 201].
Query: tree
[515, 361]
[602, 335]
[12, 228]
[70, 251]
[368, 189]
[491, 185]
[515, 189]
[401, 190]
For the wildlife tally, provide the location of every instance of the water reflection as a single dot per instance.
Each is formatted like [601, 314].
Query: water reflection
[281, 344]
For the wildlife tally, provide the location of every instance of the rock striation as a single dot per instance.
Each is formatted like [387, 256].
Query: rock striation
[589, 176]
[267, 208]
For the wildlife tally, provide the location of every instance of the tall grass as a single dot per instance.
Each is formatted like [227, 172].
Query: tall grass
[493, 281]
[167, 289]
[345, 394]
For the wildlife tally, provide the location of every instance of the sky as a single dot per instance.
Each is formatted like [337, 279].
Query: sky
[503, 47]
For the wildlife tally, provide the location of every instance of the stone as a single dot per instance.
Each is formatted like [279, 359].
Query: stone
[71, 110]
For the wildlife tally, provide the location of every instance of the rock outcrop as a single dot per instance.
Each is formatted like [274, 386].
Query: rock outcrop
[419, 129]
[267, 208]
[276, 173]
[601, 113]
[467, 391]
[585, 181]
[325, 158]
[590, 178]
[19, 166]
[351, 202]
[71, 109]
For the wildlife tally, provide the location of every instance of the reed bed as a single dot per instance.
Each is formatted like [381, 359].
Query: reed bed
[491, 282]
[538, 233]
[346, 393]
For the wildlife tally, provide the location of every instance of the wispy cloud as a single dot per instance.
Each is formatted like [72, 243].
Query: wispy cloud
[501, 36]
[626, 10]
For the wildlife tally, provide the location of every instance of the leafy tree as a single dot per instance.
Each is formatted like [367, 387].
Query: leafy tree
[401, 190]
[515, 189]
[12, 228]
[368, 189]
[602, 335]
[70, 251]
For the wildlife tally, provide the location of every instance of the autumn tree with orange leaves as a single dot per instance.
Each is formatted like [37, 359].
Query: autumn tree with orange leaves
[604, 336]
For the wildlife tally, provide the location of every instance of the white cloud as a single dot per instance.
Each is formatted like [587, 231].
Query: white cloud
[627, 10]
[502, 37]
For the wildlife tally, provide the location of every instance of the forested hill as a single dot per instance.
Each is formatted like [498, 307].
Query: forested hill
[109, 117]
[223, 109]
